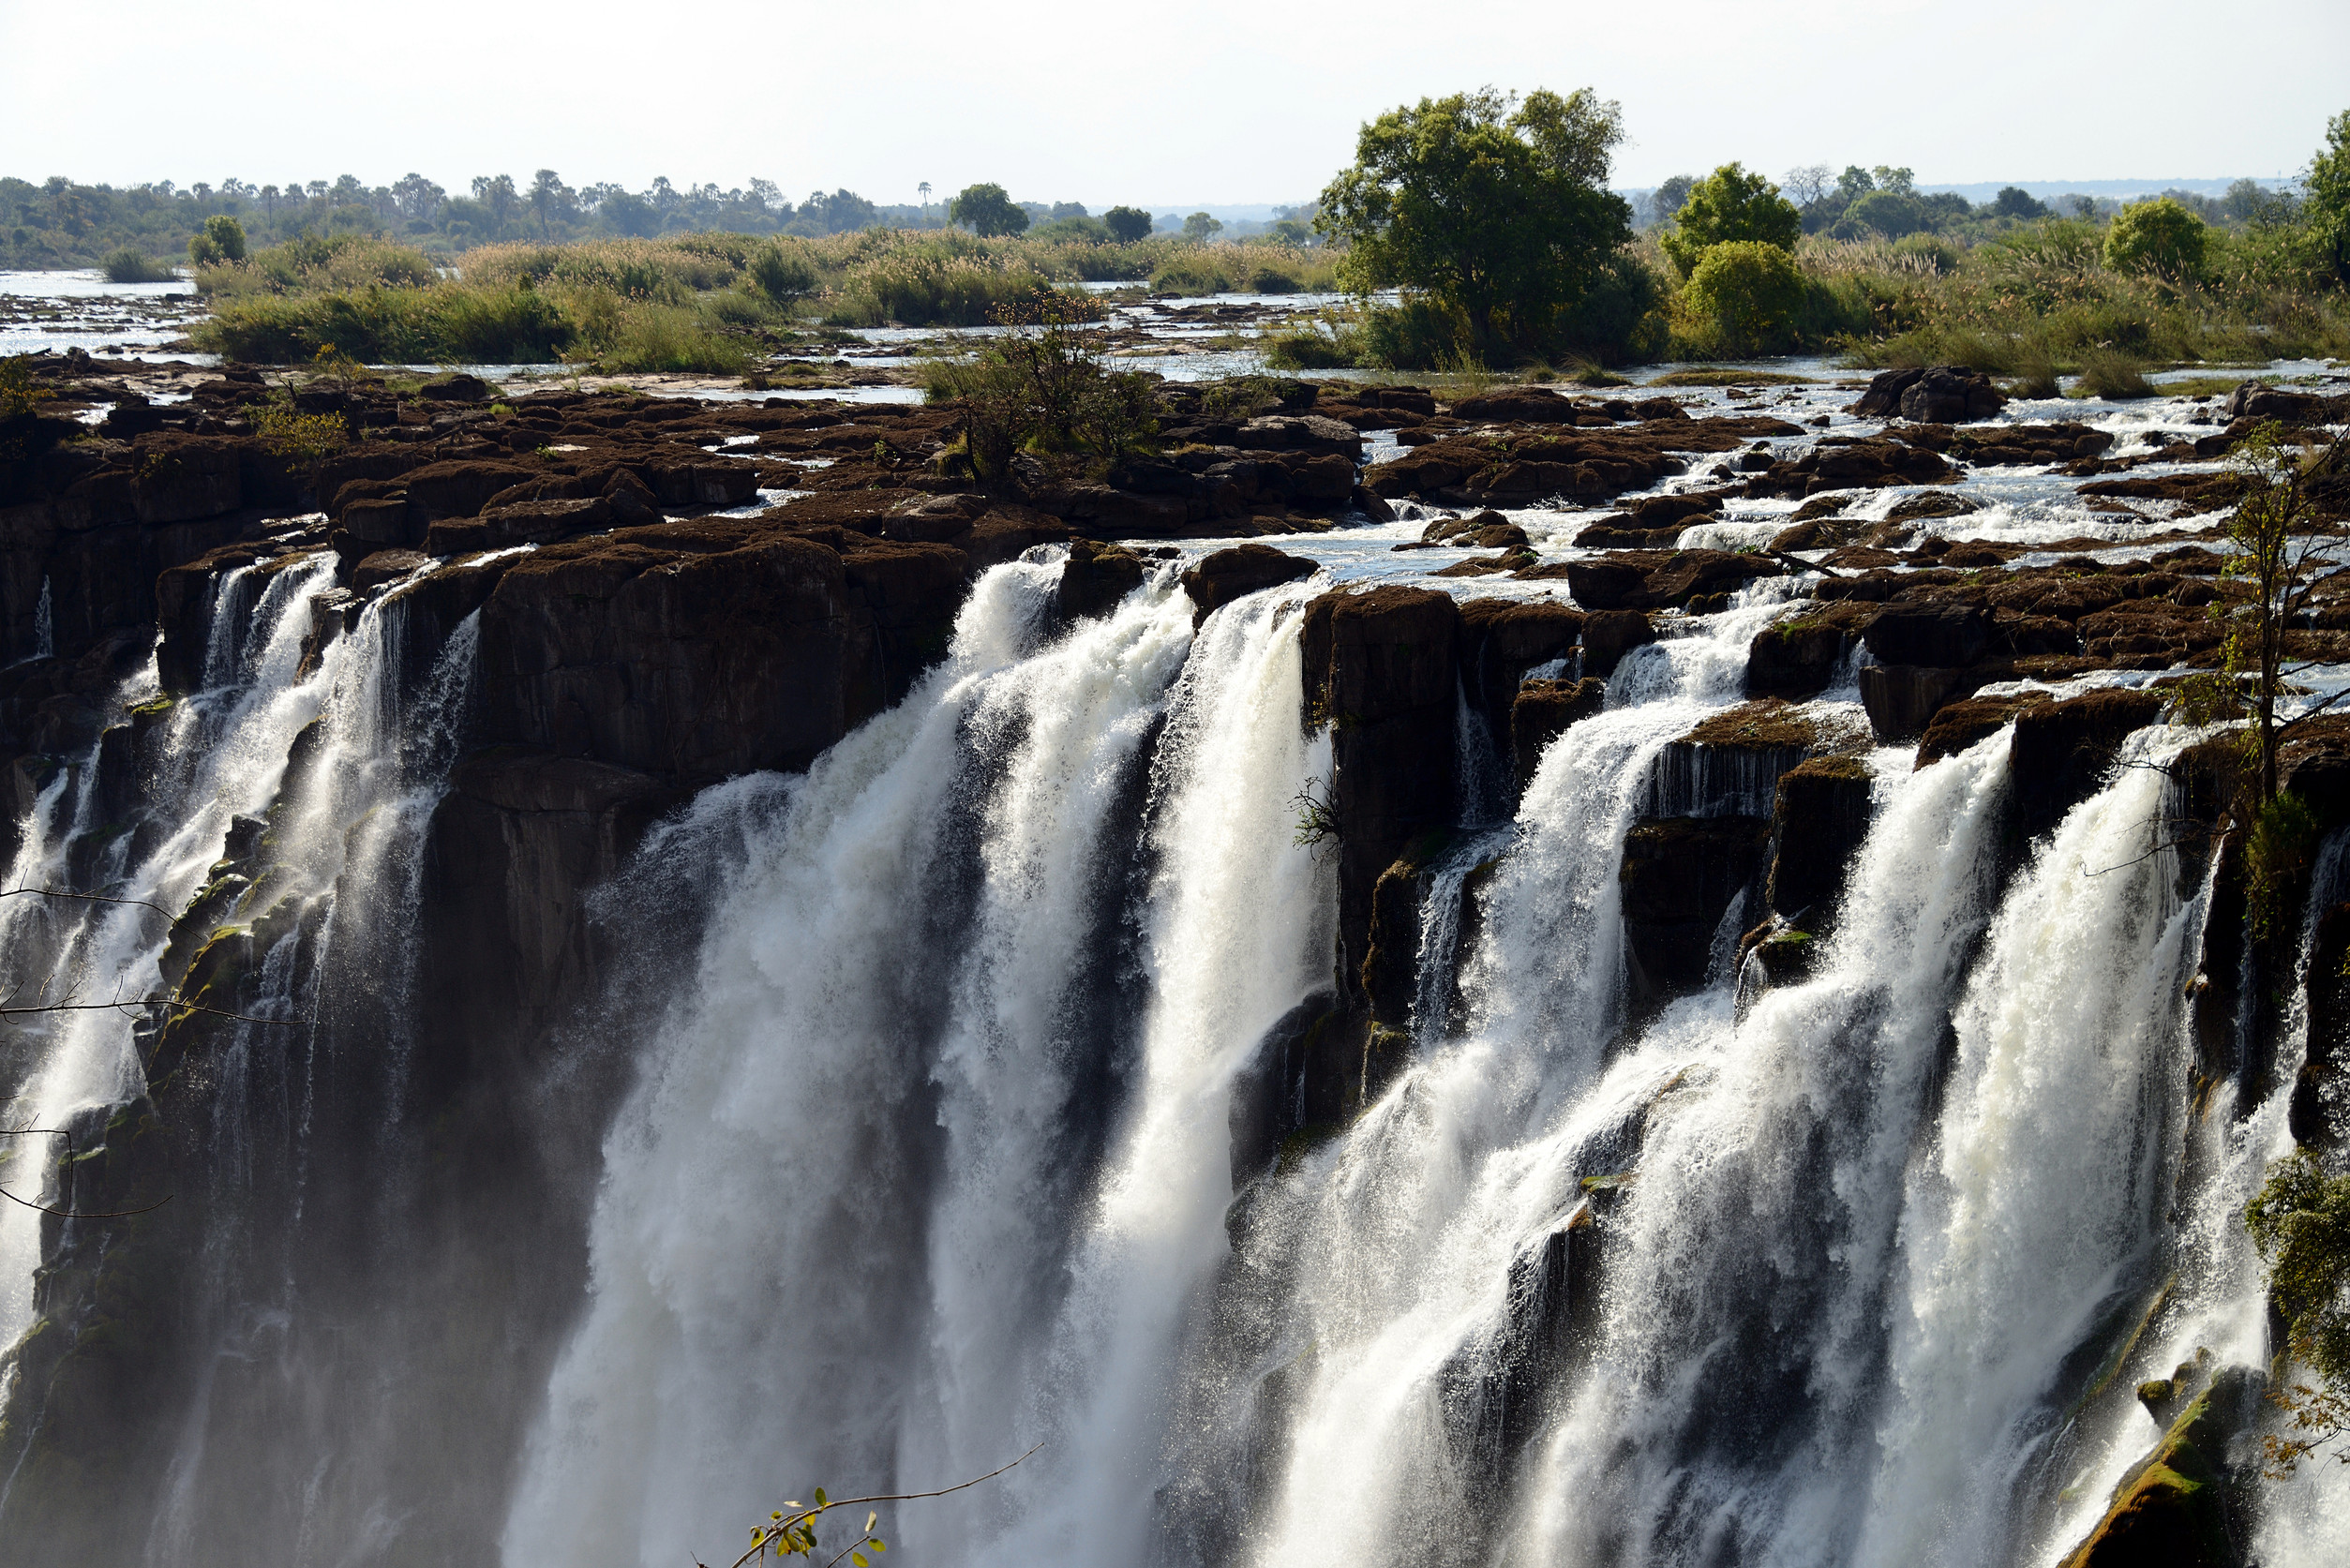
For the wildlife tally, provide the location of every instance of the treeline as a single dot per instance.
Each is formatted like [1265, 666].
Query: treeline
[1490, 218]
[59, 223]
[1884, 203]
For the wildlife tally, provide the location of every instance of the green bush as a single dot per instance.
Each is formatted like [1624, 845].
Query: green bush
[2106, 373]
[989, 210]
[220, 240]
[1127, 224]
[134, 266]
[1325, 346]
[1890, 213]
[1743, 299]
[782, 275]
[1619, 320]
[2158, 236]
[1730, 204]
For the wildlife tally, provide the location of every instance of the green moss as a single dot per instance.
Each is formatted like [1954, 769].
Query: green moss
[1304, 1141]
[154, 706]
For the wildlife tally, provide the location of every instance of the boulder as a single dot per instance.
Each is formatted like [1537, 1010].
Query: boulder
[1935, 395]
[1801, 657]
[1238, 572]
[1935, 634]
[1819, 819]
[1308, 433]
[2179, 1508]
[2062, 751]
[1095, 579]
[1543, 712]
[1609, 634]
[457, 388]
[1902, 699]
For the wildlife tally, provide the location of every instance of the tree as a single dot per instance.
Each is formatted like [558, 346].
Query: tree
[1807, 183]
[2325, 196]
[550, 200]
[924, 189]
[2158, 236]
[498, 196]
[221, 239]
[631, 213]
[417, 197]
[1127, 224]
[1673, 196]
[1200, 228]
[1890, 213]
[1731, 205]
[1748, 291]
[1494, 208]
[988, 211]
[2017, 203]
[2300, 1224]
[1854, 183]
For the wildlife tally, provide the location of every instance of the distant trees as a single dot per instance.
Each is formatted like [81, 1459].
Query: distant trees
[1491, 207]
[1200, 228]
[988, 211]
[1127, 224]
[416, 198]
[551, 201]
[2017, 203]
[1730, 204]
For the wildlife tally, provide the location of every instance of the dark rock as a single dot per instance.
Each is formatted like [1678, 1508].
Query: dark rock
[1679, 877]
[2180, 1508]
[1609, 634]
[1238, 572]
[458, 388]
[1902, 699]
[2062, 750]
[387, 566]
[1543, 712]
[1943, 634]
[1938, 394]
[1959, 725]
[1817, 823]
[1095, 579]
[1802, 657]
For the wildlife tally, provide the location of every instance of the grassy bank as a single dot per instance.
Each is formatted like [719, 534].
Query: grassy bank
[692, 303]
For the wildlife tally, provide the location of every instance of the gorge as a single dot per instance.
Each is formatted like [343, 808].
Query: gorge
[1644, 977]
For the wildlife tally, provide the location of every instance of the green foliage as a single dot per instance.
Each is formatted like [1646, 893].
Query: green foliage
[1889, 213]
[2158, 236]
[2325, 197]
[221, 241]
[1041, 388]
[1200, 228]
[2300, 1224]
[783, 276]
[1492, 209]
[2114, 376]
[1127, 224]
[2017, 203]
[1746, 294]
[988, 210]
[134, 266]
[19, 395]
[1730, 204]
[302, 438]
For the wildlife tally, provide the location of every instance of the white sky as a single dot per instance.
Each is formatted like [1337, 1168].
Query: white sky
[1161, 105]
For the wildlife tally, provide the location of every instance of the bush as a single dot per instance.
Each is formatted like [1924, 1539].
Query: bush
[220, 240]
[134, 266]
[2106, 373]
[782, 275]
[1620, 319]
[1419, 332]
[2158, 236]
[1322, 347]
[1730, 204]
[1743, 299]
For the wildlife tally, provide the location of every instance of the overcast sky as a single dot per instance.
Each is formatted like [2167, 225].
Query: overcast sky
[1155, 104]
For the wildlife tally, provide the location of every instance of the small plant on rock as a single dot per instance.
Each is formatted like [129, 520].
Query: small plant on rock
[2300, 1223]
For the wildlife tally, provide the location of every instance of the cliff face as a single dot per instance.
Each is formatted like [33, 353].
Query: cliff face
[622, 659]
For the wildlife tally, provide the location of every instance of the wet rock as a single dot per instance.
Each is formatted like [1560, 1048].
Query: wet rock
[1609, 634]
[1543, 712]
[2184, 1504]
[456, 489]
[1943, 634]
[1679, 877]
[2259, 400]
[1935, 395]
[457, 388]
[1956, 726]
[1902, 699]
[1096, 578]
[1238, 572]
[387, 566]
[1659, 579]
[1801, 656]
[1308, 433]
[1381, 670]
[1819, 818]
[2062, 750]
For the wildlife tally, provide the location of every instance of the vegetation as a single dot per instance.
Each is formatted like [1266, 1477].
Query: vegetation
[1730, 204]
[1490, 212]
[128, 265]
[2158, 236]
[220, 240]
[1744, 298]
[1043, 390]
[1127, 224]
[2300, 1223]
[988, 210]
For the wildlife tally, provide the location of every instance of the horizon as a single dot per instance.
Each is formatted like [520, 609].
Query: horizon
[1269, 115]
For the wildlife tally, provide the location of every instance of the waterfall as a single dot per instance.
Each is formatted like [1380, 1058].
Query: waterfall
[45, 624]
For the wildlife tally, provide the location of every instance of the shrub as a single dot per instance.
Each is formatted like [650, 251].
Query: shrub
[1620, 319]
[1744, 298]
[782, 275]
[2107, 373]
[2158, 236]
[221, 239]
[300, 438]
[1890, 213]
[1419, 332]
[671, 339]
[1325, 346]
[134, 266]
[1127, 224]
[1730, 204]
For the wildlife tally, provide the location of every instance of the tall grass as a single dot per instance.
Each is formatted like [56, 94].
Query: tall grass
[136, 267]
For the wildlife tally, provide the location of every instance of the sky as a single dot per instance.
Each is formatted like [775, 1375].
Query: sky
[1157, 105]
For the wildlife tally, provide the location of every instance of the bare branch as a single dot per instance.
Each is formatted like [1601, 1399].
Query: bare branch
[769, 1534]
[87, 898]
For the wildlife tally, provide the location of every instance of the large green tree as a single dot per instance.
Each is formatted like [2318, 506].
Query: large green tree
[2325, 195]
[988, 210]
[1731, 205]
[1493, 206]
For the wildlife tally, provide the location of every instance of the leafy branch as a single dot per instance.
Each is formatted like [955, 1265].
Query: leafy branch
[790, 1530]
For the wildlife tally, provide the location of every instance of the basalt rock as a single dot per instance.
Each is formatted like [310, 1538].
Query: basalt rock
[1095, 579]
[2062, 750]
[1543, 712]
[1936, 395]
[1238, 572]
[1819, 819]
[2185, 1506]
[1802, 656]
[1679, 877]
[1662, 579]
[1381, 669]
